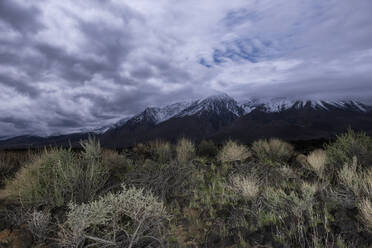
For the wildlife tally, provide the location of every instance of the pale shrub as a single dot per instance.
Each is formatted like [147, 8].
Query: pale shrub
[132, 211]
[185, 150]
[248, 187]
[367, 183]
[317, 160]
[365, 208]
[350, 185]
[162, 150]
[233, 151]
[272, 151]
[38, 224]
[349, 177]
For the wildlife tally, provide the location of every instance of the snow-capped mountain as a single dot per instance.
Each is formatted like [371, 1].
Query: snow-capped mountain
[154, 115]
[223, 104]
[283, 104]
[216, 104]
[220, 117]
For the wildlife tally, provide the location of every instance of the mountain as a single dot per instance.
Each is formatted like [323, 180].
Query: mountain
[190, 119]
[220, 117]
[283, 104]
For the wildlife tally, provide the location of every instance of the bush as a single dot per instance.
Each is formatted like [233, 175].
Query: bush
[117, 164]
[165, 180]
[162, 151]
[38, 224]
[317, 160]
[365, 209]
[10, 162]
[233, 151]
[272, 151]
[207, 148]
[248, 187]
[349, 187]
[58, 176]
[185, 150]
[347, 146]
[120, 220]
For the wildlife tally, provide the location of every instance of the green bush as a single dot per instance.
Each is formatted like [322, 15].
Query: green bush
[233, 151]
[185, 150]
[347, 146]
[207, 148]
[162, 151]
[58, 176]
[272, 151]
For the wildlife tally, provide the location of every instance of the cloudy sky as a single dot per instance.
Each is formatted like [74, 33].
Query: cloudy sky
[70, 64]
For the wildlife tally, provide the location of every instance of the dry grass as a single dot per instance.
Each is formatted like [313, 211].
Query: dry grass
[272, 151]
[25, 185]
[365, 208]
[248, 187]
[59, 176]
[162, 150]
[233, 151]
[350, 178]
[185, 150]
[317, 160]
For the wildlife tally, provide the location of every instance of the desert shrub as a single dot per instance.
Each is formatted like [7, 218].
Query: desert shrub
[291, 213]
[58, 176]
[162, 151]
[317, 160]
[38, 224]
[207, 148]
[10, 162]
[347, 146]
[270, 176]
[367, 183]
[272, 151]
[349, 177]
[185, 150]
[350, 185]
[233, 151]
[118, 165]
[165, 180]
[125, 219]
[248, 187]
[365, 209]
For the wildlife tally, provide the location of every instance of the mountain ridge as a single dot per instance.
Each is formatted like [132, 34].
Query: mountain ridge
[220, 117]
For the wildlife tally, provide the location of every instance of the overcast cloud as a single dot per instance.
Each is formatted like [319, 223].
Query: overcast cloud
[65, 65]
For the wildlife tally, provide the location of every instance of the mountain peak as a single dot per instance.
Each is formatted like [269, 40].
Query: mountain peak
[219, 97]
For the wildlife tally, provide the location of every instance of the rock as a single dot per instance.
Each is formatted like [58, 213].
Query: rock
[19, 238]
[5, 238]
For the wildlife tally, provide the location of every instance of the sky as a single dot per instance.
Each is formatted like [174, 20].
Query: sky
[72, 64]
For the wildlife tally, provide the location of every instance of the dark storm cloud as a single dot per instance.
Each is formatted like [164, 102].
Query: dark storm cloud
[19, 85]
[21, 18]
[67, 65]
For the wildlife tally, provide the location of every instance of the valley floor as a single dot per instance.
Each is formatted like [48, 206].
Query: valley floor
[158, 194]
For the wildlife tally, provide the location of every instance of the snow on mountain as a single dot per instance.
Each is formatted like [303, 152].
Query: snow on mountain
[224, 104]
[281, 104]
[217, 104]
[158, 115]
